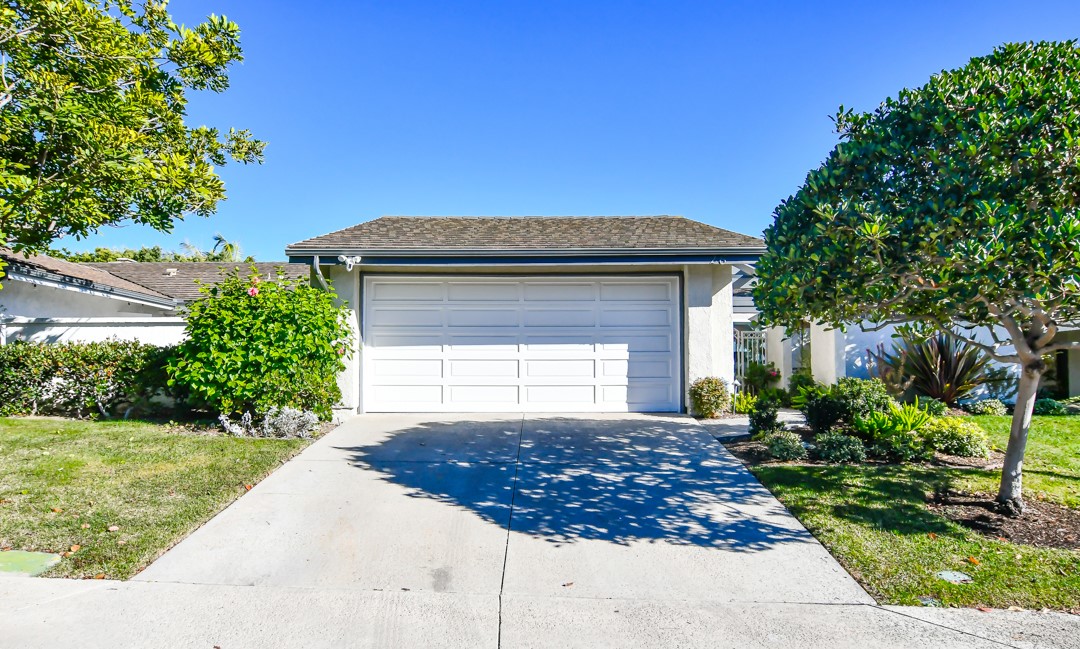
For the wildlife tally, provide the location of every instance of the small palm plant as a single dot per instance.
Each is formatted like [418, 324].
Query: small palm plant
[940, 367]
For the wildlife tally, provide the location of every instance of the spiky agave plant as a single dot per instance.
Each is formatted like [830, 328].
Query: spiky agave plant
[938, 366]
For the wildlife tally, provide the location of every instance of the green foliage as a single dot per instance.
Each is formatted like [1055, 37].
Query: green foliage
[939, 366]
[759, 377]
[932, 406]
[901, 446]
[223, 251]
[909, 416]
[709, 396]
[253, 345]
[763, 419]
[801, 378]
[838, 448]
[805, 393]
[744, 403]
[957, 436]
[861, 396]
[785, 446]
[822, 409]
[931, 203]
[849, 399]
[92, 125]
[778, 396]
[79, 379]
[987, 407]
[1050, 407]
[898, 418]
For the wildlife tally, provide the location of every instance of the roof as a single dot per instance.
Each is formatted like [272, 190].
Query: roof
[83, 275]
[178, 279]
[526, 233]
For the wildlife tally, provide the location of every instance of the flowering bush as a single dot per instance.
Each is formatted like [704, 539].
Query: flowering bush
[709, 396]
[278, 422]
[957, 436]
[252, 345]
[987, 407]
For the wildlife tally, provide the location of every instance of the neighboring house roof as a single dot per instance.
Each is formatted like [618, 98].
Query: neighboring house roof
[178, 279]
[66, 274]
[520, 234]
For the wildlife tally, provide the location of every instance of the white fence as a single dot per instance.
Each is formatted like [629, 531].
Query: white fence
[150, 330]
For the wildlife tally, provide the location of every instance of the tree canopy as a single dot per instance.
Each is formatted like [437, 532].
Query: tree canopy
[223, 250]
[93, 99]
[954, 205]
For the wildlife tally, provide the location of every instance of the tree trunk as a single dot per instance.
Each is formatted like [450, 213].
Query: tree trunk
[1010, 495]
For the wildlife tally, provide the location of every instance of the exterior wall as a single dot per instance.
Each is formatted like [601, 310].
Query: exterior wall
[707, 324]
[27, 300]
[153, 331]
[778, 352]
[707, 315]
[347, 286]
[827, 354]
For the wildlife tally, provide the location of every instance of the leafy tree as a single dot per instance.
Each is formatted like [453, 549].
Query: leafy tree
[954, 205]
[93, 96]
[223, 250]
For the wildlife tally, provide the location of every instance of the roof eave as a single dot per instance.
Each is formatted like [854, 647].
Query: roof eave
[34, 275]
[294, 251]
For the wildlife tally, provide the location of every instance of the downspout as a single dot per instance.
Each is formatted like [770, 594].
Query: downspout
[318, 273]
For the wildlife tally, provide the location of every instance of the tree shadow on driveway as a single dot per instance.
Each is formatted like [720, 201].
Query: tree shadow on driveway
[565, 480]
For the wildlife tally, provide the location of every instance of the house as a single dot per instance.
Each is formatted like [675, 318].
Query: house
[53, 300]
[565, 314]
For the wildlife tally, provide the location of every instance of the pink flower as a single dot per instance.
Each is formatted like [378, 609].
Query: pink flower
[253, 291]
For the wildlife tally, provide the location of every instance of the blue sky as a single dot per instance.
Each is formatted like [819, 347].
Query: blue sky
[711, 110]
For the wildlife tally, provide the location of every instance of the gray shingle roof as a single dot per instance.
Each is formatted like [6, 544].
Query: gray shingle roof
[160, 276]
[81, 274]
[450, 233]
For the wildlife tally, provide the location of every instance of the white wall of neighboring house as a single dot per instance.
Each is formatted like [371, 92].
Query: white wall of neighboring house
[41, 313]
[29, 300]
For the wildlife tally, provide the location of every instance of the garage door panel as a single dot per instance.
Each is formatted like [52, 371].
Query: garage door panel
[541, 291]
[405, 318]
[483, 292]
[466, 317]
[548, 395]
[506, 395]
[635, 292]
[499, 367]
[533, 344]
[380, 291]
[556, 317]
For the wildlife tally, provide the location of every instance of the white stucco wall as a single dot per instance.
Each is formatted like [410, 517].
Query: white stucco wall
[152, 331]
[27, 300]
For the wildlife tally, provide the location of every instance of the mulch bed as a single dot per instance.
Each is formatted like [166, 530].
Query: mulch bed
[1044, 525]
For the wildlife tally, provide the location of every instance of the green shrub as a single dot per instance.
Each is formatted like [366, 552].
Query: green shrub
[709, 396]
[801, 379]
[744, 403]
[1050, 407]
[763, 419]
[759, 377]
[843, 402]
[79, 379]
[785, 446]
[900, 445]
[822, 409]
[932, 406]
[837, 448]
[778, 396]
[957, 436]
[987, 407]
[254, 345]
[861, 397]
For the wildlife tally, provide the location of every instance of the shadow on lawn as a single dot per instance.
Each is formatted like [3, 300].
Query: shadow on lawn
[889, 498]
[616, 480]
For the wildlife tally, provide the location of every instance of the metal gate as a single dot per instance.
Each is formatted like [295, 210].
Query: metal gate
[749, 348]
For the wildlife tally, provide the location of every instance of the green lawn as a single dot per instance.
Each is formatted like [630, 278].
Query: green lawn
[155, 484]
[875, 521]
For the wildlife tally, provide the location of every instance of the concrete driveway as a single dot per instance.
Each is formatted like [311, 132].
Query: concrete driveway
[611, 506]
[496, 531]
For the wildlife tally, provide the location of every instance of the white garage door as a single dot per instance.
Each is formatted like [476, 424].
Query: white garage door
[534, 344]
